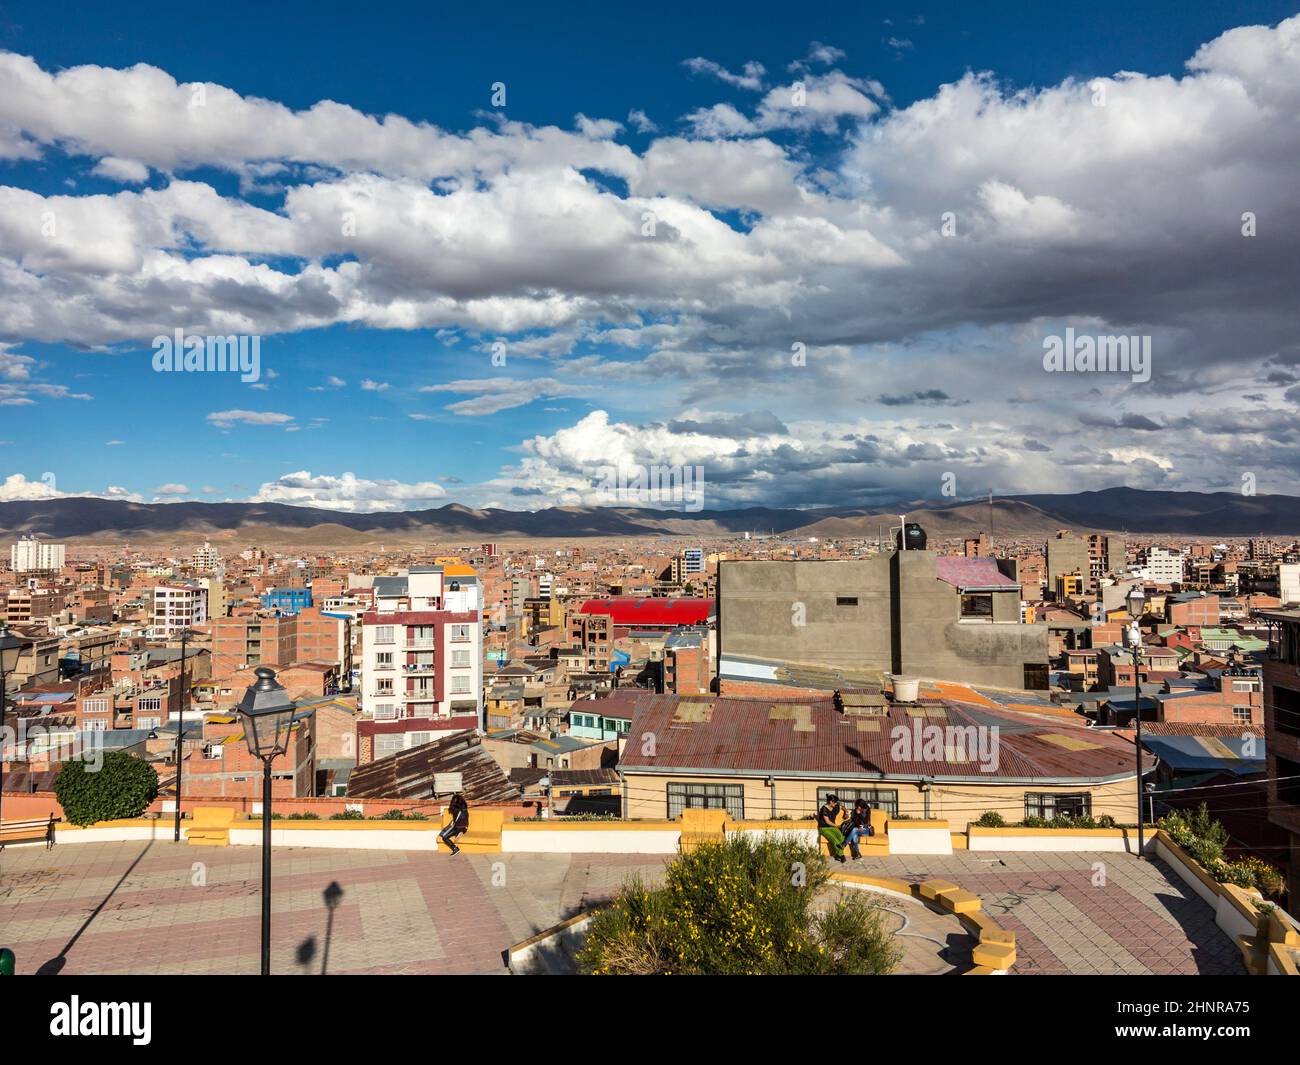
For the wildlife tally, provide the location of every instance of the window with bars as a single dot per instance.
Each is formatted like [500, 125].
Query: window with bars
[1067, 804]
[729, 797]
[386, 745]
[877, 798]
[1241, 715]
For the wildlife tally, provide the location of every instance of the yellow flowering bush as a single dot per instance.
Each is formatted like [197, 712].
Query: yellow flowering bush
[740, 907]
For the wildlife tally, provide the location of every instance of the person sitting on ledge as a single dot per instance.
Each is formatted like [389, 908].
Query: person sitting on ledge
[828, 829]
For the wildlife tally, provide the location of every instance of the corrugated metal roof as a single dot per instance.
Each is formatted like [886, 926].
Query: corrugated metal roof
[631, 611]
[745, 735]
[409, 774]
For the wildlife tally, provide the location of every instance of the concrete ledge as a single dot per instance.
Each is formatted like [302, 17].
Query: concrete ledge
[550, 951]
[1052, 839]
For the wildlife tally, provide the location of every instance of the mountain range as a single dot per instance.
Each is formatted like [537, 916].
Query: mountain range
[1137, 511]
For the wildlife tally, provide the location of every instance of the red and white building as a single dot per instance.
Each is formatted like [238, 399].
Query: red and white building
[421, 659]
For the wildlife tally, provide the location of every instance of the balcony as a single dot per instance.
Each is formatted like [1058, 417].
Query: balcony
[424, 643]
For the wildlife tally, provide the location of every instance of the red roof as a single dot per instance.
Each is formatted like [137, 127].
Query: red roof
[971, 573]
[651, 613]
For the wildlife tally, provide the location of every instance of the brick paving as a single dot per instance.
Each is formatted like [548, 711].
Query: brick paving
[1081, 913]
[161, 907]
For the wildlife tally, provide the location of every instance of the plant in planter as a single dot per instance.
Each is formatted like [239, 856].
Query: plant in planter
[991, 819]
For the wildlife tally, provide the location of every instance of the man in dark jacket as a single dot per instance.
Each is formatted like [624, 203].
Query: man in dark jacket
[857, 825]
[459, 810]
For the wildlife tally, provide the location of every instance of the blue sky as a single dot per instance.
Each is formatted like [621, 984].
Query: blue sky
[783, 225]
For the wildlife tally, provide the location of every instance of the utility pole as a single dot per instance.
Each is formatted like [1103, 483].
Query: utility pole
[180, 730]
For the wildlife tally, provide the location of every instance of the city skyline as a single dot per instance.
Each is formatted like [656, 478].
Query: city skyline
[824, 261]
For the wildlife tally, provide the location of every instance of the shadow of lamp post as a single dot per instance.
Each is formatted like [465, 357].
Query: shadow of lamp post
[267, 714]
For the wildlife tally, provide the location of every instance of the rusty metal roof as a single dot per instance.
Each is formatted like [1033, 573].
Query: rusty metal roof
[811, 737]
[409, 774]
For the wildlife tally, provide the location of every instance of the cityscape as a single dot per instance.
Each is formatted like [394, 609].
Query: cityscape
[817, 498]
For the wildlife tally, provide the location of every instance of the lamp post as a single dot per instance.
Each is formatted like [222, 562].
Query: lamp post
[180, 730]
[11, 648]
[1135, 645]
[267, 714]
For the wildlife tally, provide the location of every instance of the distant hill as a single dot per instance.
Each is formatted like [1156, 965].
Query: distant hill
[1112, 510]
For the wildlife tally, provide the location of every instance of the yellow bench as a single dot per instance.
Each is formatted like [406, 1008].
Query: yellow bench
[873, 846]
[482, 836]
[701, 826]
[210, 826]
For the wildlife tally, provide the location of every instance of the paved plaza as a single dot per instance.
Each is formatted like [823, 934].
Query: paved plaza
[161, 907]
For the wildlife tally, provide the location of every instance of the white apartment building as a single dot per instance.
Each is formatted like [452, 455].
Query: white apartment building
[422, 656]
[30, 555]
[177, 607]
[1164, 566]
[1288, 580]
[206, 558]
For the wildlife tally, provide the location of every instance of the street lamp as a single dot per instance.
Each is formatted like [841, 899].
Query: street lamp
[11, 649]
[267, 714]
[1135, 645]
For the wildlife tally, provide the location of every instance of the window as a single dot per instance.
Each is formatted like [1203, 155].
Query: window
[460, 634]
[1245, 685]
[846, 600]
[729, 797]
[1286, 710]
[977, 606]
[460, 658]
[1045, 805]
[1288, 781]
[384, 660]
[152, 703]
[385, 711]
[95, 706]
[459, 684]
[877, 798]
[1241, 715]
[383, 634]
[386, 745]
[148, 722]
[384, 686]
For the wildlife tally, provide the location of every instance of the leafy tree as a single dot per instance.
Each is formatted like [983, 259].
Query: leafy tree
[121, 787]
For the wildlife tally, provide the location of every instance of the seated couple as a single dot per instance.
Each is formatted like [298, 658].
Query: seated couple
[856, 823]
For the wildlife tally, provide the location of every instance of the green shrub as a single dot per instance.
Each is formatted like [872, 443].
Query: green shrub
[348, 815]
[739, 907]
[393, 815]
[1105, 821]
[308, 816]
[1204, 840]
[991, 819]
[122, 787]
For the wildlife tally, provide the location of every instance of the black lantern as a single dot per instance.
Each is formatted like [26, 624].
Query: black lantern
[267, 713]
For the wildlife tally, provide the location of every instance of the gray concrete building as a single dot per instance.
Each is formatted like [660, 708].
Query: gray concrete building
[907, 612]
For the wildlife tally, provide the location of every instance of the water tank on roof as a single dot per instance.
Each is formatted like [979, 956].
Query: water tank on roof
[914, 536]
